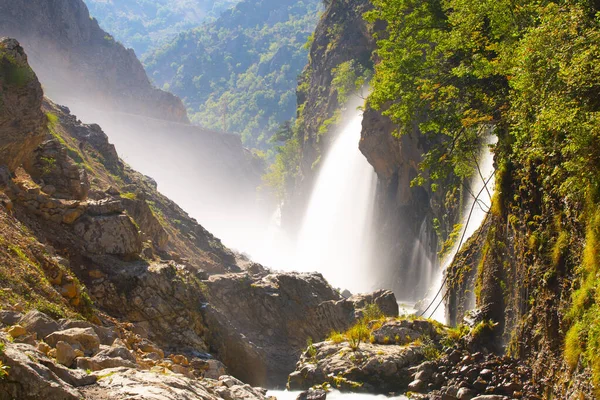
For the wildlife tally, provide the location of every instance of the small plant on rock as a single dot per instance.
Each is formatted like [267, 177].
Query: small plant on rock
[357, 334]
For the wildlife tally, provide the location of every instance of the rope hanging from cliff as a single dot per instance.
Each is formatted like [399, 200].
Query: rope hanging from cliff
[459, 246]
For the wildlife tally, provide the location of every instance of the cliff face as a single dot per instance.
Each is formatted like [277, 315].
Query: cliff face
[76, 59]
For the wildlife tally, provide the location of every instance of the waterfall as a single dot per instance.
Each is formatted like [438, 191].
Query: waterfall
[477, 204]
[335, 235]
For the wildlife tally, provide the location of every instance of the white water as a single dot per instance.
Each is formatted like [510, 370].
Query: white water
[335, 238]
[476, 207]
[334, 395]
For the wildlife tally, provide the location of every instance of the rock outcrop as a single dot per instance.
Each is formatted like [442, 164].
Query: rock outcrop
[75, 58]
[21, 119]
[258, 324]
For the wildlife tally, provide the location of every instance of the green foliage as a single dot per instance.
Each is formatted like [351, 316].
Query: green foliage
[129, 195]
[14, 73]
[311, 350]
[281, 174]
[372, 312]
[348, 79]
[146, 24]
[357, 334]
[239, 73]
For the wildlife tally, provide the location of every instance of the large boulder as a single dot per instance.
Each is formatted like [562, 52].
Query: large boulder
[259, 323]
[110, 234]
[22, 122]
[33, 376]
[121, 383]
[39, 323]
[83, 338]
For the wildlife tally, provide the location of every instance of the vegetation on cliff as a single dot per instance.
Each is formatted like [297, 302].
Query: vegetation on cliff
[528, 71]
[239, 73]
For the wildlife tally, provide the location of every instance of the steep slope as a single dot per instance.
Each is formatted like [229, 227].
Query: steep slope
[144, 26]
[77, 60]
[239, 73]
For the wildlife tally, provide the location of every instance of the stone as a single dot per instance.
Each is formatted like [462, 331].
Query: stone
[159, 385]
[106, 335]
[312, 394]
[85, 338]
[16, 331]
[8, 317]
[105, 207]
[417, 386]
[98, 363]
[489, 397]
[117, 352]
[180, 359]
[33, 376]
[44, 348]
[465, 394]
[40, 323]
[149, 347]
[65, 354]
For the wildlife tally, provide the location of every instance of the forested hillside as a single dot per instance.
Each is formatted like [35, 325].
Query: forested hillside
[528, 72]
[144, 25]
[240, 72]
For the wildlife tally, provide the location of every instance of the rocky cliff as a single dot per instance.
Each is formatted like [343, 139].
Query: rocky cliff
[76, 60]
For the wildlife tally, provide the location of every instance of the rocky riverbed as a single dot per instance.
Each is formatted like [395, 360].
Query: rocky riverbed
[420, 358]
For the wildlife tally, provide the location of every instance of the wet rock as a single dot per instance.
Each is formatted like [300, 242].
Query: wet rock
[312, 394]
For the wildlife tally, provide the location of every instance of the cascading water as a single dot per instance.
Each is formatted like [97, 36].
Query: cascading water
[336, 230]
[476, 208]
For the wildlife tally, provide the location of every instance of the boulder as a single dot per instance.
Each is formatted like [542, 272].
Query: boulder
[84, 338]
[10, 317]
[119, 383]
[65, 354]
[33, 376]
[372, 368]
[98, 363]
[106, 335]
[16, 331]
[40, 323]
[312, 394]
[117, 352]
